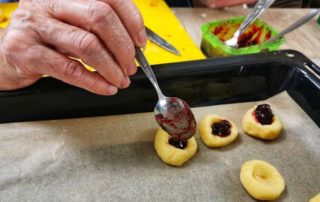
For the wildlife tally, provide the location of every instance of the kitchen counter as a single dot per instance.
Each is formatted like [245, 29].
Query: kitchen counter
[305, 39]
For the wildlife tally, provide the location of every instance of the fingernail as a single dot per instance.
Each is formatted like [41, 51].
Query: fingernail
[125, 83]
[112, 90]
[142, 38]
[132, 69]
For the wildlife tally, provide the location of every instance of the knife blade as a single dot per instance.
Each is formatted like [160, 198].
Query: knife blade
[155, 38]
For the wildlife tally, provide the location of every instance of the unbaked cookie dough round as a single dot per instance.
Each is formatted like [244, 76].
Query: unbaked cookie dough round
[174, 155]
[261, 180]
[315, 198]
[216, 131]
[261, 122]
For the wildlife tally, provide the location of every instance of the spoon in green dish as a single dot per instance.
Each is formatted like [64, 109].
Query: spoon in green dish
[258, 9]
[295, 25]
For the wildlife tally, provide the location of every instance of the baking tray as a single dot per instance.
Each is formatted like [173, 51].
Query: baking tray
[112, 158]
[201, 83]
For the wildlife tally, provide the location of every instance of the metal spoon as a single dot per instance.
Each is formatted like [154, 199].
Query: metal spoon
[172, 114]
[295, 25]
[258, 9]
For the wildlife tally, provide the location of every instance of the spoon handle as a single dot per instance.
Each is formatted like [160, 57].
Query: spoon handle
[141, 59]
[295, 25]
[258, 9]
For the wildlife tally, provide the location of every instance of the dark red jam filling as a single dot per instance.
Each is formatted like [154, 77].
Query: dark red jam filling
[222, 128]
[263, 114]
[180, 144]
[253, 35]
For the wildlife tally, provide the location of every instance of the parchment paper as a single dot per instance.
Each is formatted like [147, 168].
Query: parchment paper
[113, 159]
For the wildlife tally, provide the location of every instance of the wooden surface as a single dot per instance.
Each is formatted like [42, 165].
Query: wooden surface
[305, 39]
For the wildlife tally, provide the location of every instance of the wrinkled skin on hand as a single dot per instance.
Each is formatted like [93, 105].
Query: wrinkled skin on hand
[43, 34]
[221, 3]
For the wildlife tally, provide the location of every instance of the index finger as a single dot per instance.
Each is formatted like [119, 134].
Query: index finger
[131, 18]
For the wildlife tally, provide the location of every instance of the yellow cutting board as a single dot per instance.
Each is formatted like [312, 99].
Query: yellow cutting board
[159, 18]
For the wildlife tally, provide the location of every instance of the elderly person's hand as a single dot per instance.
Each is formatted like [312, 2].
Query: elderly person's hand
[43, 34]
[221, 3]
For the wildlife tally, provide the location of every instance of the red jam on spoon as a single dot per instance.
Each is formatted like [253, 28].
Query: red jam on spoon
[178, 121]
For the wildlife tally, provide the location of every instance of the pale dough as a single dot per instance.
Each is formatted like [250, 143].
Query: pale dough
[254, 128]
[315, 198]
[211, 140]
[170, 154]
[261, 180]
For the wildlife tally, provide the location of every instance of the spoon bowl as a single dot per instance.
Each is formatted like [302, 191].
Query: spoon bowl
[175, 117]
[172, 114]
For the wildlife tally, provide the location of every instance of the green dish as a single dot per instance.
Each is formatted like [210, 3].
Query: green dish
[212, 46]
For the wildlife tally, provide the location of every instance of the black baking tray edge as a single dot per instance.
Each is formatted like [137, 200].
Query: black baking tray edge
[201, 83]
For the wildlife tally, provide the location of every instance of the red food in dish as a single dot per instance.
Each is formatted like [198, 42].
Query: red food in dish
[253, 35]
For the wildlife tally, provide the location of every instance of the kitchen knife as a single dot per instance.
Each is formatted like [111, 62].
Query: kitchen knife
[155, 38]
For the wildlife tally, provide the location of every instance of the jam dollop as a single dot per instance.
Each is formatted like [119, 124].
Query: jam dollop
[178, 143]
[263, 114]
[222, 128]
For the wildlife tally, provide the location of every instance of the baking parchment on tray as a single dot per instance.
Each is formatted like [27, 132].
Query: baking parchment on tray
[112, 158]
